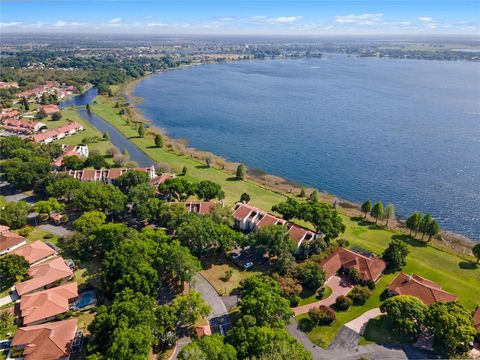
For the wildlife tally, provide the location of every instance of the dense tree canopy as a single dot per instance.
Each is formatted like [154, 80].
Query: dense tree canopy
[395, 255]
[12, 267]
[98, 196]
[208, 348]
[272, 240]
[208, 190]
[14, 214]
[406, 312]
[130, 179]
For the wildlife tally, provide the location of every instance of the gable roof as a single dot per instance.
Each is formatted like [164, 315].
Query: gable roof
[44, 274]
[369, 268]
[47, 303]
[46, 341]
[426, 290]
[200, 207]
[35, 251]
[9, 239]
[476, 318]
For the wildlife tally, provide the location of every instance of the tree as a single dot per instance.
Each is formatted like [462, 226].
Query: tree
[425, 223]
[25, 104]
[179, 188]
[106, 136]
[241, 172]
[184, 170]
[63, 188]
[208, 190]
[245, 198]
[222, 215]
[141, 130]
[138, 196]
[272, 240]
[311, 275]
[377, 211]
[73, 162]
[323, 315]
[24, 174]
[289, 209]
[413, 222]
[96, 161]
[130, 343]
[130, 179]
[367, 207]
[261, 297]
[190, 308]
[98, 196]
[325, 220]
[89, 222]
[198, 233]
[406, 312]
[12, 267]
[48, 206]
[208, 348]
[395, 255]
[359, 294]
[42, 114]
[302, 193]
[56, 116]
[89, 110]
[432, 229]
[286, 263]
[314, 196]
[476, 252]
[452, 327]
[14, 214]
[343, 303]
[158, 141]
[389, 213]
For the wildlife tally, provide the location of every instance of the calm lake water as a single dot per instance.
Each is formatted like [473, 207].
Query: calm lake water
[400, 131]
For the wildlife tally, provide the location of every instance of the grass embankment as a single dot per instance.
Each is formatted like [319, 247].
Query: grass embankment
[451, 270]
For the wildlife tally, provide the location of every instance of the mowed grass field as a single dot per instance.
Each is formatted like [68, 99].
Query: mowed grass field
[457, 274]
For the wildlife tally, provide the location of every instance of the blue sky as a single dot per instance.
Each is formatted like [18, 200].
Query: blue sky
[243, 17]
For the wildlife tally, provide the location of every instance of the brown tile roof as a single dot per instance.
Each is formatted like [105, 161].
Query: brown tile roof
[9, 239]
[476, 318]
[49, 341]
[200, 207]
[35, 251]
[47, 303]
[415, 285]
[44, 274]
[266, 220]
[242, 211]
[369, 268]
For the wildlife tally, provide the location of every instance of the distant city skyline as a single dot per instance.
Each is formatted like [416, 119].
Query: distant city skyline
[242, 17]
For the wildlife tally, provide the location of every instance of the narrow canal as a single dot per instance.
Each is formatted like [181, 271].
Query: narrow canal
[116, 138]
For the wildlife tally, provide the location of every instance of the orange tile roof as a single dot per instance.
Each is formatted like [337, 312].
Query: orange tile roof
[476, 318]
[49, 341]
[203, 330]
[9, 239]
[368, 268]
[35, 251]
[242, 211]
[44, 274]
[415, 285]
[47, 303]
[200, 207]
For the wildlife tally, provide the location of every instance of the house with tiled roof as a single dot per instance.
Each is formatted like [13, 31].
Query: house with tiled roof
[369, 268]
[414, 285]
[476, 318]
[22, 126]
[71, 150]
[201, 207]
[35, 252]
[44, 306]
[50, 109]
[10, 241]
[50, 135]
[50, 341]
[106, 175]
[249, 218]
[45, 275]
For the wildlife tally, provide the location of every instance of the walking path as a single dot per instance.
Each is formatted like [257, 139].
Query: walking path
[358, 325]
[339, 286]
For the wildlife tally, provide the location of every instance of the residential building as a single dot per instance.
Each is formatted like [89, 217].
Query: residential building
[49, 341]
[201, 207]
[35, 252]
[50, 135]
[476, 318]
[22, 126]
[369, 268]
[9, 113]
[249, 218]
[45, 275]
[44, 306]
[50, 109]
[426, 290]
[106, 175]
[71, 150]
[10, 241]
[6, 85]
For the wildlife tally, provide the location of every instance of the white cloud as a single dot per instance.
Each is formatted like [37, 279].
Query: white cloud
[226, 18]
[425, 18]
[157, 24]
[285, 19]
[362, 19]
[115, 20]
[12, 23]
[61, 23]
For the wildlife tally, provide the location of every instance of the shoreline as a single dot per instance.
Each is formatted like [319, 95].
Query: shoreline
[457, 242]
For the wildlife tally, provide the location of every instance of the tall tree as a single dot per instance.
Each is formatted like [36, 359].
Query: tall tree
[289, 209]
[14, 214]
[406, 312]
[389, 213]
[424, 224]
[130, 179]
[433, 229]
[325, 220]
[48, 206]
[476, 252]
[413, 222]
[12, 267]
[395, 255]
[241, 172]
[314, 197]
[272, 240]
[377, 211]
[208, 347]
[141, 130]
[190, 308]
[158, 141]
[366, 207]
[178, 188]
[208, 190]
[245, 198]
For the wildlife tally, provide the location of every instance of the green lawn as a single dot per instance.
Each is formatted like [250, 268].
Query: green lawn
[380, 330]
[309, 296]
[39, 234]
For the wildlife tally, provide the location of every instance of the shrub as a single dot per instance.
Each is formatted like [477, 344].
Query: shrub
[370, 284]
[228, 274]
[48, 236]
[25, 231]
[343, 303]
[359, 294]
[323, 315]
[294, 300]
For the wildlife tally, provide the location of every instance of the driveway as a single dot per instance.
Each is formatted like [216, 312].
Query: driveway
[339, 286]
[12, 297]
[55, 229]
[358, 325]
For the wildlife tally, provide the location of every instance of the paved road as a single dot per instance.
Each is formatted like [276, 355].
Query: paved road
[55, 229]
[210, 296]
[339, 286]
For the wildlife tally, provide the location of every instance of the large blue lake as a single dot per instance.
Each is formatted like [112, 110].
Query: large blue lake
[400, 131]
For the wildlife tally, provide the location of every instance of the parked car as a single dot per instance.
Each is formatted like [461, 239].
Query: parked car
[247, 265]
[234, 255]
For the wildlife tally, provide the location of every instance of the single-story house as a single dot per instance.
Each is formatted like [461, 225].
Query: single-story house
[201, 207]
[43, 306]
[48, 136]
[249, 218]
[45, 275]
[6, 85]
[426, 290]
[369, 268]
[10, 114]
[106, 175]
[10, 241]
[50, 341]
[161, 179]
[71, 150]
[50, 109]
[36, 252]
